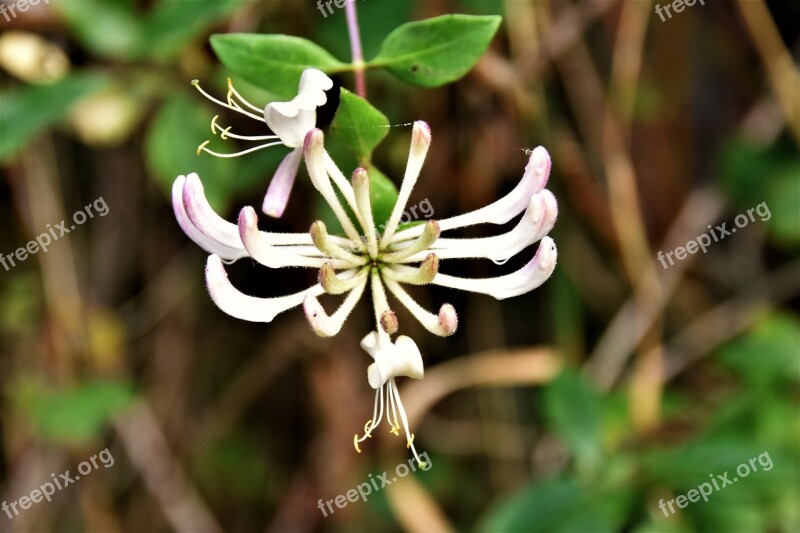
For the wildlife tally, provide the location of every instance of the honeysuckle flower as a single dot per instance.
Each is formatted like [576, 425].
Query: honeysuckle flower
[289, 121]
[348, 264]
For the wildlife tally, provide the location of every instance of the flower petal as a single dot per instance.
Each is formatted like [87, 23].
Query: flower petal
[420, 142]
[533, 180]
[311, 89]
[538, 220]
[281, 185]
[289, 123]
[205, 218]
[205, 242]
[276, 256]
[536, 272]
[328, 326]
[238, 305]
[444, 324]
[401, 358]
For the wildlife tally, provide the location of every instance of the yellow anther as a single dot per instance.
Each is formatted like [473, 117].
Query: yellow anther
[355, 443]
[230, 84]
[410, 441]
[223, 135]
[395, 430]
[368, 427]
[214, 124]
[201, 147]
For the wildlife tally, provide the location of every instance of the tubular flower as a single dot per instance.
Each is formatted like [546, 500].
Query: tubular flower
[348, 265]
[290, 121]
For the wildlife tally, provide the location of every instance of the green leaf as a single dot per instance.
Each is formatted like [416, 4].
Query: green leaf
[171, 148]
[25, 112]
[273, 62]
[572, 409]
[436, 51]
[109, 28]
[173, 23]
[559, 505]
[75, 415]
[769, 353]
[357, 127]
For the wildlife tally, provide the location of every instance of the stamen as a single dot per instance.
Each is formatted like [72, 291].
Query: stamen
[203, 148]
[214, 124]
[196, 84]
[355, 443]
[232, 89]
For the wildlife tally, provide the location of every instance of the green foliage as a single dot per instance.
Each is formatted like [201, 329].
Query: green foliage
[76, 415]
[273, 62]
[27, 111]
[769, 354]
[573, 410]
[436, 51]
[108, 28]
[752, 174]
[172, 23]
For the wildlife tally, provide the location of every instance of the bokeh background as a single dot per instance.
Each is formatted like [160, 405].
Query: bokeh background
[576, 407]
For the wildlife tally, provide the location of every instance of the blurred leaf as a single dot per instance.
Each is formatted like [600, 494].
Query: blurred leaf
[357, 127]
[109, 28]
[171, 147]
[76, 415]
[25, 112]
[769, 353]
[558, 505]
[273, 62]
[573, 410]
[436, 51]
[235, 469]
[766, 179]
[171, 24]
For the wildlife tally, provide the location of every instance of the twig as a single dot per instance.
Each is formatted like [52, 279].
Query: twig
[355, 46]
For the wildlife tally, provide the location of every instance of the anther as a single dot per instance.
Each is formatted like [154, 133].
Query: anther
[201, 147]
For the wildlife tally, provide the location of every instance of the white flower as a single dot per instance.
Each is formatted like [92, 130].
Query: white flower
[347, 265]
[290, 121]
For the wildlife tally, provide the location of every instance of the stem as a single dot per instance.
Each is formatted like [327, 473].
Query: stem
[355, 47]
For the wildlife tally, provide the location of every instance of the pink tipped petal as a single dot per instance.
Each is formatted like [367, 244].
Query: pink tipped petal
[443, 324]
[533, 180]
[205, 218]
[208, 244]
[274, 256]
[537, 222]
[281, 185]
[244, 307]
[529, 277]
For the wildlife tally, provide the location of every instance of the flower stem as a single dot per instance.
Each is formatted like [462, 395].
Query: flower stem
[355, 46]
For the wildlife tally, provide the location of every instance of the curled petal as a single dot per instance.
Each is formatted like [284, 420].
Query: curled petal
[334, 284]
[281, 185]
[227, 253]
[205, 218]
[292, 120]
[536, 272]
[370, 343]
[444, 324]
[328, 326]
[533, 180]
[274, 256]
[430, 232]
[414, 276]
[538, 221]
[401, 358]
[244, 307]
